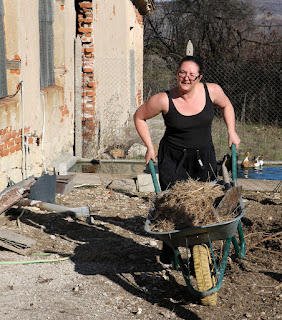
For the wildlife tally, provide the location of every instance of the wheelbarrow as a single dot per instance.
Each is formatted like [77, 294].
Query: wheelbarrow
[208, 270]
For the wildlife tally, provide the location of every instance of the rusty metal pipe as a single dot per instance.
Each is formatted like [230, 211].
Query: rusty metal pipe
[73, 212]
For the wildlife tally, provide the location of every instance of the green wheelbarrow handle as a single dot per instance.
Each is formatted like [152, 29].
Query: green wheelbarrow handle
[154, 176]
[234, 162]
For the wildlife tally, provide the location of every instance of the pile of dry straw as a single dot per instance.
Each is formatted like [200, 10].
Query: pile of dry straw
[187, 204]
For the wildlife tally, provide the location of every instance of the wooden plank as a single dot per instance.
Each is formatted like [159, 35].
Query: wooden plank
[16, 242]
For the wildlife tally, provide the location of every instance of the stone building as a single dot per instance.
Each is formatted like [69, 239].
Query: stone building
[37, 87]
[70, 76]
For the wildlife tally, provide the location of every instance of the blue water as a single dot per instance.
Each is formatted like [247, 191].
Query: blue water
[265, 173]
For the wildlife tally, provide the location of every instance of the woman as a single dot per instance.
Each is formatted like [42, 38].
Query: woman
[186, 149]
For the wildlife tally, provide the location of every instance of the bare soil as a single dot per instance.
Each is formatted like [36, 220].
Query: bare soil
[112, 268]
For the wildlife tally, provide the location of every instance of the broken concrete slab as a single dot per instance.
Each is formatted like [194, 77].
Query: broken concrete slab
[91, 179]
[145, 183]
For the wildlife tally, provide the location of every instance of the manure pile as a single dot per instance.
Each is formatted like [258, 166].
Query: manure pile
[188, 204]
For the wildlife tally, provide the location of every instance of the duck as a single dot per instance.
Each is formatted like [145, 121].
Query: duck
[247, 163]
[258, 161]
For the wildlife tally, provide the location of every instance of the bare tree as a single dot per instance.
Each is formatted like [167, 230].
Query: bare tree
[219, 30]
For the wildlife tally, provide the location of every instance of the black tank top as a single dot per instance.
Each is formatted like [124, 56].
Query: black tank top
[189, 131]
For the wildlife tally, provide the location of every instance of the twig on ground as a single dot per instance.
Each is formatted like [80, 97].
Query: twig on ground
[272, 237]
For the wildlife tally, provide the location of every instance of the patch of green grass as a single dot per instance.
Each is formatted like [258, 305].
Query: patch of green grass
[258, 140]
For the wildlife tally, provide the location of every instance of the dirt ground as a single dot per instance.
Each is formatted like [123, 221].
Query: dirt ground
[111, 268]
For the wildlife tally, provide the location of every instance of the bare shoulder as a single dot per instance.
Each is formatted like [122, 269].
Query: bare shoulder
[215, 91]
[156, 104]
[159, 99]
[217, 95]
[214, 88]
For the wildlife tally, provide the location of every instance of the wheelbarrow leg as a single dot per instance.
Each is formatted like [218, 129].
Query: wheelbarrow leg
[240, 249]
[168, 256]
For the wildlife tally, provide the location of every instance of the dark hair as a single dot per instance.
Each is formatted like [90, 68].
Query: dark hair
[194, 59]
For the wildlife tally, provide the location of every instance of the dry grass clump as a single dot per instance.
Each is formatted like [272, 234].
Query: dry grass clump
[187, 204]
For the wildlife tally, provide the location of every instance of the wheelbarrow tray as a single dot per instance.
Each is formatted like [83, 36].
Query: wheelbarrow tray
[197, 235]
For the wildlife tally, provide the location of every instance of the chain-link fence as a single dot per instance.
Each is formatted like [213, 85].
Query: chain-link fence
[255, 92]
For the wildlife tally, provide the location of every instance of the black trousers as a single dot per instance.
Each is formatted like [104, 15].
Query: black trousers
[176, 164]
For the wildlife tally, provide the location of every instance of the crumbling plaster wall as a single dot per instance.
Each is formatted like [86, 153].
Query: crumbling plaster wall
[44, 116]
[112, 39]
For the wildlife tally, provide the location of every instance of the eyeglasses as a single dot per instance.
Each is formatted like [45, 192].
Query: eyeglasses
[183, 74]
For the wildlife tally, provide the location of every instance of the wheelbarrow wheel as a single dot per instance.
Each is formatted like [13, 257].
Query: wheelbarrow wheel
[205, 280]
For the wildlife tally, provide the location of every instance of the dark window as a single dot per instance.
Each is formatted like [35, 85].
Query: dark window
[46, 18]
[3, 76]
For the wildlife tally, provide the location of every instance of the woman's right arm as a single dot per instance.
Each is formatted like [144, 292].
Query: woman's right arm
[155, 105]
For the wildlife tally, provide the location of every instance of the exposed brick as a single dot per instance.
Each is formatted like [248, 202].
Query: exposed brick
[85, 4]
[91, 84]
[8, 136]
[87, 20]
[4, 153]
[91, 93]
[9, 144]
[87, 69]
[16, 71]
[89, 49]
[18, 147]
[18, 140]
[65, 112]
[12, 149]
[88, 109]
[87, 39]
[85, 30]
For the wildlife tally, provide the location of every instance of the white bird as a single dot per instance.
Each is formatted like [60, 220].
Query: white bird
[258, 162]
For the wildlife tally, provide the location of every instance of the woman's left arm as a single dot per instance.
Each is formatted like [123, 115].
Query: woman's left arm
[220, 99]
